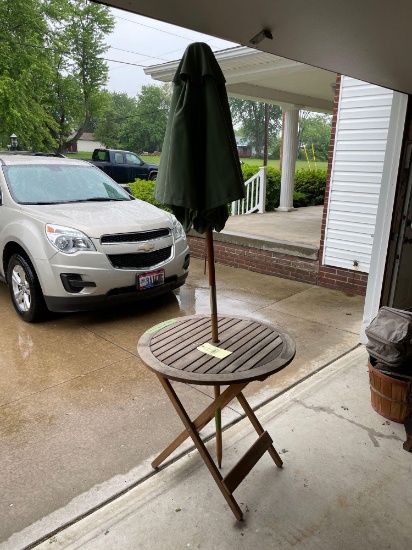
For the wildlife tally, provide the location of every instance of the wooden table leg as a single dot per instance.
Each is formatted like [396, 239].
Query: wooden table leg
[218, 422]
[197, 440]
[202, 420]
[258, 427]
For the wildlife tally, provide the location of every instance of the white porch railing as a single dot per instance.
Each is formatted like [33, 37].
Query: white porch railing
[255, 199]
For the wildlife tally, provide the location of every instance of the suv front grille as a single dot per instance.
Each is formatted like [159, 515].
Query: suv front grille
[141, 260]
[135, 237]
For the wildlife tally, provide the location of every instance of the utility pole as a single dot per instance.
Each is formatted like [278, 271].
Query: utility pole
[266, 135]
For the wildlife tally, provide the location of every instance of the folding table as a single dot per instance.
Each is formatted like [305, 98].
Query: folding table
[181, 349]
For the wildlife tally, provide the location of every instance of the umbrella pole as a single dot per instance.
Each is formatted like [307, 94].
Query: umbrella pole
[212, 283]
[215, 335]
[218, 422]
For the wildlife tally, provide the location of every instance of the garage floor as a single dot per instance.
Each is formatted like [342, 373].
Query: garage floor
[345, 482]
[80, 415]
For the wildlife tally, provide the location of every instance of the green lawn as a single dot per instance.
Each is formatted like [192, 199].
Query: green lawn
[84, 156]
[255, 162]
[88, 156]
[299, 163]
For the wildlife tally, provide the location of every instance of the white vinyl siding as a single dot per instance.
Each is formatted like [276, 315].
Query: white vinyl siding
[360, 145]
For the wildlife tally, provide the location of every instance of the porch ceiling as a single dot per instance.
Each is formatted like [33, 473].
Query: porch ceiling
[368, 40]
[260, 76]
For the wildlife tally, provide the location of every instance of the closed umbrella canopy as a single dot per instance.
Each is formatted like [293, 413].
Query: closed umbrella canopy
[199, 173]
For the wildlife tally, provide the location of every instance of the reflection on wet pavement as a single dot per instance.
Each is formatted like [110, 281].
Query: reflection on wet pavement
[77, 407]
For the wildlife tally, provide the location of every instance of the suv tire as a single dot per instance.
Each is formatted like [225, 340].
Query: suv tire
[25, 290]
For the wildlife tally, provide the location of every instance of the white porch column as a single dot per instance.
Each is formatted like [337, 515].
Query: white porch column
[289, 153]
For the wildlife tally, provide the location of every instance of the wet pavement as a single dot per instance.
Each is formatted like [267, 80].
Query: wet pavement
[79, 412]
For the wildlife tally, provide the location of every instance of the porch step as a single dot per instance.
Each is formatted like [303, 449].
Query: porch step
[300, 250]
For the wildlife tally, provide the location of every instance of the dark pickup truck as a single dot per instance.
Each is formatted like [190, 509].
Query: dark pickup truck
[123, 166]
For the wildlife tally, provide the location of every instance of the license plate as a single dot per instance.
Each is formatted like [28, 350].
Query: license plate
[149, 280]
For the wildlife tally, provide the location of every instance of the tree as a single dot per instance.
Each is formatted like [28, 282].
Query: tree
[146, 130]
[51, 71]
[249, 117]
[314, 129]
[25, 74]
[79, 73]
[110, 128]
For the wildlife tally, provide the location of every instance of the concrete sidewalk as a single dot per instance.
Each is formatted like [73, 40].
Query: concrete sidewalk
[302, 225]
[345, 482]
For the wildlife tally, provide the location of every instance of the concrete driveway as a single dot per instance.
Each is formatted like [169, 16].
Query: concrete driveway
[79, 412]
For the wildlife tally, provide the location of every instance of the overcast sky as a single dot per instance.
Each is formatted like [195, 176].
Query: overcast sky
[142, 41]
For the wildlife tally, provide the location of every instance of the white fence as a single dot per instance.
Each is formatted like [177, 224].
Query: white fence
[254, 201]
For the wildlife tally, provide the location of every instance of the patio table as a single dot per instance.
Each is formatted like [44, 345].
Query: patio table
[181, 350]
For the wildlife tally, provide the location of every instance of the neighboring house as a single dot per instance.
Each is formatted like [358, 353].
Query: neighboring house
[85, 144]
[244, 148]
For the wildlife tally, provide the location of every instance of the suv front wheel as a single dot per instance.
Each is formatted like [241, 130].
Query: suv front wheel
[24, 288]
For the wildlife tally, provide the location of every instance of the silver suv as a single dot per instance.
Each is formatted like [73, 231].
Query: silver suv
[72, 239]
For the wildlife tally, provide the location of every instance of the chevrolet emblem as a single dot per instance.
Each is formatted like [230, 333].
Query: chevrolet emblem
[146, 247]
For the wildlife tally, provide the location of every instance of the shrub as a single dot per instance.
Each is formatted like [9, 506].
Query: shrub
[312, 184]
[144, 190]
[249, 170]
[299, 199]
[309, 186]
[272, 184]
[272, 188]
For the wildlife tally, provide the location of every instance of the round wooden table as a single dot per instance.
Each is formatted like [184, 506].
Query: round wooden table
[182, 350]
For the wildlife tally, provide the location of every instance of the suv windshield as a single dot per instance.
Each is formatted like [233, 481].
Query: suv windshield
[53, 183]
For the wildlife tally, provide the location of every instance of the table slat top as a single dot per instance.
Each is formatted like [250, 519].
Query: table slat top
[257, 350]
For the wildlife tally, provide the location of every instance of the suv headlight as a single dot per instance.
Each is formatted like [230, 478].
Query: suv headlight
[68, 240]
[178, 231]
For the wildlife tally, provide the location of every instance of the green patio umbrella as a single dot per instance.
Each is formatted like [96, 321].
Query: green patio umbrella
[199, 173]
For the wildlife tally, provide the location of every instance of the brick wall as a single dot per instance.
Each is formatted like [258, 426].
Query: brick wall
[350, 281]
[282, 265]
[335, 277]
[268, 262]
